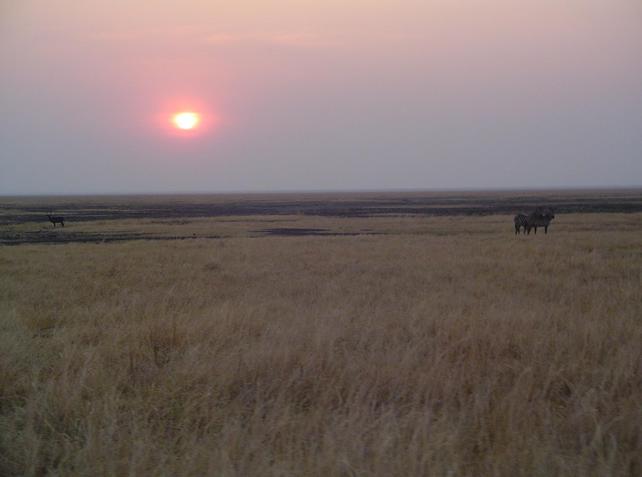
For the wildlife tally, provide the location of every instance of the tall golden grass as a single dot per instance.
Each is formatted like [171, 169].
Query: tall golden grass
[443, 347]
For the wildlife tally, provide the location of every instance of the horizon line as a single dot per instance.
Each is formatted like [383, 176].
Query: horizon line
[332, 191]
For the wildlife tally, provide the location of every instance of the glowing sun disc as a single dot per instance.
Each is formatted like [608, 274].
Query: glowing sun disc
[186, 120]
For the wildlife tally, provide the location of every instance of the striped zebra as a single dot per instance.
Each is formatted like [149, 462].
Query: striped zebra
[521, 220]
[540, 218]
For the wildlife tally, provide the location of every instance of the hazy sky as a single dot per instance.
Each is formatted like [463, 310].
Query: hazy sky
[319, 94]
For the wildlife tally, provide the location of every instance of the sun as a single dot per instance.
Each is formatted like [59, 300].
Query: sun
[186, 120]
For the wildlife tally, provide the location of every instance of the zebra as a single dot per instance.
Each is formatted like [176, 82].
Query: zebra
[540, 218]
[521, 220]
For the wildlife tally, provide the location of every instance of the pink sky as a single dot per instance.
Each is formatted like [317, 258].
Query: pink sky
[320, 94]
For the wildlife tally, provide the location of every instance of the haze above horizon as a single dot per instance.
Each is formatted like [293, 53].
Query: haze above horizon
[296, 95]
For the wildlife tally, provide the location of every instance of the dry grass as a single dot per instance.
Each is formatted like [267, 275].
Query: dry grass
[447, 347]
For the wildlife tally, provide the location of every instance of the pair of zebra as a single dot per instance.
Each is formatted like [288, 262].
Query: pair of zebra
[541, 217]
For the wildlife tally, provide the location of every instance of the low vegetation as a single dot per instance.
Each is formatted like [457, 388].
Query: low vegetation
[431, 346]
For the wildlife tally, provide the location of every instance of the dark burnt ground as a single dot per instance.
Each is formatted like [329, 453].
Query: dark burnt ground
[294, 232]
[301, 232]
[78, 209]
[47, 237]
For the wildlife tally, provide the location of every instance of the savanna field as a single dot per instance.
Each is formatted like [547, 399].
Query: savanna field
[379, 345]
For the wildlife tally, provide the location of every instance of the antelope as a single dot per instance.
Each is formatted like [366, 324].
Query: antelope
[56, 219]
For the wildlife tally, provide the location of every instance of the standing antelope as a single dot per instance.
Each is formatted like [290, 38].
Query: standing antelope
[56, 219]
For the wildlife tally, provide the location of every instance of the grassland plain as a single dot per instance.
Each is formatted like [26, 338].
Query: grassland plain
[421, 346]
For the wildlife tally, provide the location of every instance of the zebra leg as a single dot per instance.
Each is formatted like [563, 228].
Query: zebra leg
[546, 229]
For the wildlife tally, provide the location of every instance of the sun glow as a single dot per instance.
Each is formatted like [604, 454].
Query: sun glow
[186, 120]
